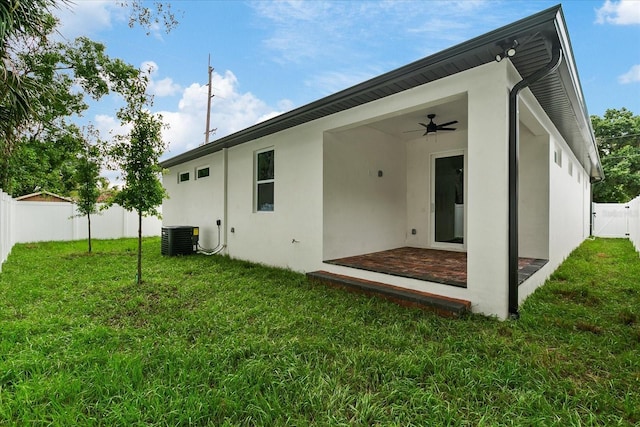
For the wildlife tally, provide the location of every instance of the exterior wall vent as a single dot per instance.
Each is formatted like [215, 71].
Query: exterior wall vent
[179, 240]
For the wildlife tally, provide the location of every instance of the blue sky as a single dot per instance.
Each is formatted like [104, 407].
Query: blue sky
[270, 57]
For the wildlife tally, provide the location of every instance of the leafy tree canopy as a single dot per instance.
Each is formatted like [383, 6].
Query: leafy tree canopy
[618, 137]
[45, 83]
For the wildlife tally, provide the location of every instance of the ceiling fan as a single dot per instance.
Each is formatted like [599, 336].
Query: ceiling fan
[431, 127]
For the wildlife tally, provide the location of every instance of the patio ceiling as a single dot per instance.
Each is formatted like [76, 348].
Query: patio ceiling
[403, 126]
[560, 94]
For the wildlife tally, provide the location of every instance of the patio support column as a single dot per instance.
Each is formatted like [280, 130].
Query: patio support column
[487, 192]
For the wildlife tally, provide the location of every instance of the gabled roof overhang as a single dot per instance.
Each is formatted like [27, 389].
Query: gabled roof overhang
[559, 94]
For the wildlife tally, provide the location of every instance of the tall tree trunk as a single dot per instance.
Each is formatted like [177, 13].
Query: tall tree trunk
[89, 230]
[139, 247]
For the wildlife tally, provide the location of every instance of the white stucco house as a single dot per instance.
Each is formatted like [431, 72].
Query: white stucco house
[348, 175]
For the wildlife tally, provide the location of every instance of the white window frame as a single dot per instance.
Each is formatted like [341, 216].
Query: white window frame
[197, 171]
[557, 156]
[180, 174]
[257, 183]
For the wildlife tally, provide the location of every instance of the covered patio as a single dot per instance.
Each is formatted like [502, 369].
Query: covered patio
[439, 266]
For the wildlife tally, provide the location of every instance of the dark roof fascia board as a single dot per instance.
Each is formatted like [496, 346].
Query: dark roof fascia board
[577, 97]
[314, 110]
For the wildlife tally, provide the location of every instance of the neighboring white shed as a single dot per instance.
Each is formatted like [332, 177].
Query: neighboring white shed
[482, 213]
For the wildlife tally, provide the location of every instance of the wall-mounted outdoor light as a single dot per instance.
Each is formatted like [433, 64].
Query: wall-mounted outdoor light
[508, 50]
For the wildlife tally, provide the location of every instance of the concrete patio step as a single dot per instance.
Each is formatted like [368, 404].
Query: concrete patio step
[444, 306]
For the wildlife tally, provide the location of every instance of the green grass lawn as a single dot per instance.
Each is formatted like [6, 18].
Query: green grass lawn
[210, 340]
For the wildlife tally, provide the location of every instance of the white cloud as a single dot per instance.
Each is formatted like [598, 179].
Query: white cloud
[623, 12]
[162, 87]
[83, 18]
[88, 18]
[155, 30]
[231, 111]
[631, 76]
[109, 126]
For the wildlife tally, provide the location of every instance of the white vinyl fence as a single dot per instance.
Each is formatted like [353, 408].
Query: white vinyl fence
[7, 217]
[634, 222]
[611, 219]
[618, 220]
[23, 221]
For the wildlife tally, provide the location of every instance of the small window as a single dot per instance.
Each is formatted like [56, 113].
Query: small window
[578, 176]
[265, 181]
[570, 169]
[202, 172]
[183, 176]
[557, 156]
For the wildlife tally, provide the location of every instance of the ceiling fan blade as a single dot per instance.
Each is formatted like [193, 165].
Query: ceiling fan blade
[439, 128]
[447, 124]
[426, 126]
[415, 130]
[426, 133]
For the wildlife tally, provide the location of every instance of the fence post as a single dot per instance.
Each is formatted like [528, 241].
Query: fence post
[124, 221]
[3, 236]
[7, 238]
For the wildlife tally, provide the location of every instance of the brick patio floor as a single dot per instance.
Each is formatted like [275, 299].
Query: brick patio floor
[432, 265]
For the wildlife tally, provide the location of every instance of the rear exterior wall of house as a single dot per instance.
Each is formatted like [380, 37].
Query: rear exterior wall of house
[329, 201]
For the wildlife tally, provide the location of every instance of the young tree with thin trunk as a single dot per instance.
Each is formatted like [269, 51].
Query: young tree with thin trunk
[137, 155]
[87, 177]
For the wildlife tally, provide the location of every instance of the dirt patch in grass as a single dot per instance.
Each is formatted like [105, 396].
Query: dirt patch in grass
[627, 317]
[578, 295]
[588, 327]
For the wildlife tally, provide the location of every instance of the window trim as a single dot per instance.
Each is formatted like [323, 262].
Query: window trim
[182, 174]
[257, 183]
[196, 174]
[557, 156]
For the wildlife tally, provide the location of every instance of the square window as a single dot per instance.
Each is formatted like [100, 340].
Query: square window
[264, 181]
[202, 172]
[182, 177]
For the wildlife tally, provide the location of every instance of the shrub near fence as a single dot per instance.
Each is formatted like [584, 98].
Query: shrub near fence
[26, 221]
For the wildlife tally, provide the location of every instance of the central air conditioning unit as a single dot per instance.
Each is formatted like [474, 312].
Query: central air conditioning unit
[179, 240]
